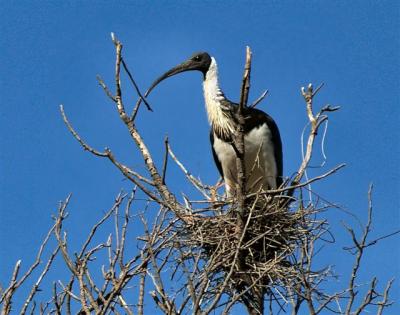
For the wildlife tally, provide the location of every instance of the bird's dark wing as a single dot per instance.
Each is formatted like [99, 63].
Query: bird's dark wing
[216, 160]
[255, 118]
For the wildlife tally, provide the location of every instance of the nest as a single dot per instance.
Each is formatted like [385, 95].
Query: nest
[263, 250]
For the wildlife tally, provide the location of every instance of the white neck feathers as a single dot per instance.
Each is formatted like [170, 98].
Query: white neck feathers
[213, 97]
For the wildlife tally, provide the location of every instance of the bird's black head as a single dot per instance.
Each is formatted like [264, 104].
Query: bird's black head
[200, 61]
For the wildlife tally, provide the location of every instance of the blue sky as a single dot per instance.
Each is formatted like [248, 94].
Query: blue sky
[52, 51]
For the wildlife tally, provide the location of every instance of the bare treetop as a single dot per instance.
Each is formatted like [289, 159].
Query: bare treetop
[255, 249]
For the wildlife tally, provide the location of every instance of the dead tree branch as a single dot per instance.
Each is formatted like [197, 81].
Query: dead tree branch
[200, 256]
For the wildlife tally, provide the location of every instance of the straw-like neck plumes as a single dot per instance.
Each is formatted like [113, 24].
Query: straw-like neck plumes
[216, 104]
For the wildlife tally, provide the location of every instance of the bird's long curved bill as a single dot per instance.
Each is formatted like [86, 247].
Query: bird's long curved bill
[185, 66]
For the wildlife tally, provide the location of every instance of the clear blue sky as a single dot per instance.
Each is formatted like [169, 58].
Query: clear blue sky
[52, 51]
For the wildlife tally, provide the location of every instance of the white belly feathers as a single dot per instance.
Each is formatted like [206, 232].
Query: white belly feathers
[260, 166]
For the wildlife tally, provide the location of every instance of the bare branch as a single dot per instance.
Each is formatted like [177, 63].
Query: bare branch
[35, 287]
[135, 86]
[260, 99]
[360, 245]
[165, 163]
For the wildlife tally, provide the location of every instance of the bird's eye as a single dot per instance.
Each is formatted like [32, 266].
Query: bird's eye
[197, 58]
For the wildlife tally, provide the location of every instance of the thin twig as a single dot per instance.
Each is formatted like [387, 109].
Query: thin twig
[135, 85]
[260, 99]
[165, 163]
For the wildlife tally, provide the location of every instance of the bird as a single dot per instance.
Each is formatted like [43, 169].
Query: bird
[262, 141]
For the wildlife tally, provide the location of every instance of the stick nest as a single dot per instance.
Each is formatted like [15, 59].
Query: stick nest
[264, 251]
